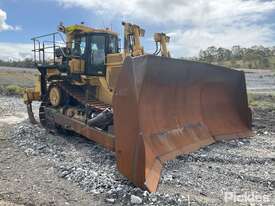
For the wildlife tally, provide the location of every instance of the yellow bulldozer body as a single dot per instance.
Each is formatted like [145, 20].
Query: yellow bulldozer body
[158, 107]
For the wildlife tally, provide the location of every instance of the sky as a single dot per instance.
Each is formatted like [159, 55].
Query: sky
[192, 25]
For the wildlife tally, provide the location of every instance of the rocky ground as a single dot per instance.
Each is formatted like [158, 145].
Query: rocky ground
[40, 168]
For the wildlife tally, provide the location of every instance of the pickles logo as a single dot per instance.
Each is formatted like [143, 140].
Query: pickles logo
[247, 197]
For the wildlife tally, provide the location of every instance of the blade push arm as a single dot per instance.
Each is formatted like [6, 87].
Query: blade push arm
[162, 39]
[132, 44]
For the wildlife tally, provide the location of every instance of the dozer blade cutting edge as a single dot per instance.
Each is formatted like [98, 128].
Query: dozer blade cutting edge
[165, 107]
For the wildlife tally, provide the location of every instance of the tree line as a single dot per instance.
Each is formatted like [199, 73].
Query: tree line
[256, 57]
[26, 63]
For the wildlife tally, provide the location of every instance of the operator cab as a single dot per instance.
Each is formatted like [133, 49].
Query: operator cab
[93, 49]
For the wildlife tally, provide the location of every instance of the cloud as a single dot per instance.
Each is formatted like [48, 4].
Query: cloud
[190, 42]
[194, 25]
[15, 51]
[3, 25]
[177, 11]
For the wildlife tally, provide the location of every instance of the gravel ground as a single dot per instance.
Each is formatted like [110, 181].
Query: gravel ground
[260, 81]
[39, 168]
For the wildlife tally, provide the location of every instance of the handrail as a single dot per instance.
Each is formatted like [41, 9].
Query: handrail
[51, 34]
[40, 46]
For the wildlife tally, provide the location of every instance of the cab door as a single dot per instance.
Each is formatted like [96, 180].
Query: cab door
[97, 55]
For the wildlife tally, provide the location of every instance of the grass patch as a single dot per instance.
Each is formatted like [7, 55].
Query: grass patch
[18, 77]
[13, 81]
[262, 100]
[11, 90]
[248, 64]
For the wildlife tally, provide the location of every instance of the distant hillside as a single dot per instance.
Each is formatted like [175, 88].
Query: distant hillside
[256, 57]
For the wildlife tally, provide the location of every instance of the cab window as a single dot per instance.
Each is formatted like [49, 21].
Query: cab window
[113, 45]
[79, 46]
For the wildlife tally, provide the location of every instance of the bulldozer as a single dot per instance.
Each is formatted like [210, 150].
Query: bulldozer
[147, 108]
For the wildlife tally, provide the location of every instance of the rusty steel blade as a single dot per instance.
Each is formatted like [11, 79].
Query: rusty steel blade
[164, 107]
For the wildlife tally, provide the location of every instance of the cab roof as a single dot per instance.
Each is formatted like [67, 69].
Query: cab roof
[85, 29]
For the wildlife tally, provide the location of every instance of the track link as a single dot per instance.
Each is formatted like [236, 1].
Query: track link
[42, 115]
[45, 119]
[79, 96]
